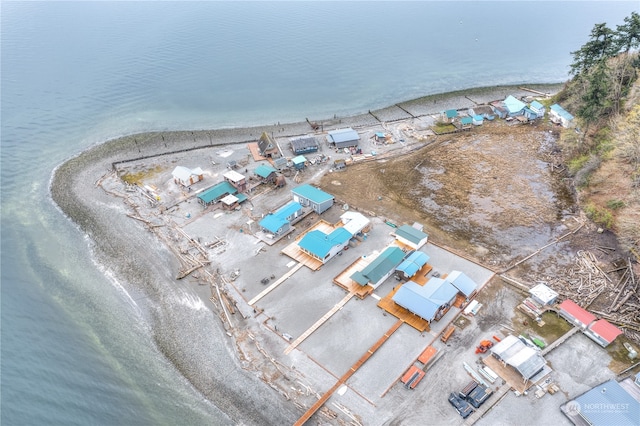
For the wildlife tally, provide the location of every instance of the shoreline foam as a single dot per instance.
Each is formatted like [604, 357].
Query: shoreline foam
[125, 246]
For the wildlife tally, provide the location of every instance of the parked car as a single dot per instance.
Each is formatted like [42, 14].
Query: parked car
[462, 407]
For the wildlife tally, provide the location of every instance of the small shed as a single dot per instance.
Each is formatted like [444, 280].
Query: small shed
[543, 295]
[303, 145]
[558, 115]
[603, 332]
[575, 314]
[236, 179]
[339, 164]
[299, 162]
[343, 138]
[466, 122]
[230, 202]
[265, 173]
[412, 236]
[186, 177]
[310, 196]
[477, 120]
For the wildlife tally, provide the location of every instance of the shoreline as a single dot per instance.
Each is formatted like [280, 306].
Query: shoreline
[124, 245]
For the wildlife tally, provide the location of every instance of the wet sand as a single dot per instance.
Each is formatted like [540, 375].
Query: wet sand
[204, 354]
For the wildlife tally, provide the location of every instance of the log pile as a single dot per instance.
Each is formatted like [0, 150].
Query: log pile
[618, 298]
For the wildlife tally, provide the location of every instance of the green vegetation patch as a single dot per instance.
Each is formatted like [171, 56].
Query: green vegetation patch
[554, 327]
[442, 128]
[138, 178]
[600, 216]
[615, 204]
[620, 355]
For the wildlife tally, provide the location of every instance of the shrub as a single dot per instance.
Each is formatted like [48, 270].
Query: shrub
[615, 204]
[602, 217]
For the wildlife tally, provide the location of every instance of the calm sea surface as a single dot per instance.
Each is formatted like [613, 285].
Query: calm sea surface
[75, 347]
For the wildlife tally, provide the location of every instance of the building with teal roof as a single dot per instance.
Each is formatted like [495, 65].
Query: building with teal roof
[411, 236]
[218, 192]
[265, 172]
[279, 222]
[310, 196]
[381, 268]
[323, 246]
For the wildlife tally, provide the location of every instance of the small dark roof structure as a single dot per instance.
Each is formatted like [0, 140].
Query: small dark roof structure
[304, 144]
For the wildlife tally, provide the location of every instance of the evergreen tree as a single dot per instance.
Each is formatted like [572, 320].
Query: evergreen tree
[601, 46]
[628, 34]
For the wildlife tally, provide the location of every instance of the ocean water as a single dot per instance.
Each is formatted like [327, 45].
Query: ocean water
[76, 348]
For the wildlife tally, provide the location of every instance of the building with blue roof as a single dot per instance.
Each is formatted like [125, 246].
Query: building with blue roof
[463, 283]
[610, 403]
[411, 265]
[430, 301]
[412, 296]
[323, 246]
[279, 222]
[381, 268]
[310, 196]
[539, 109]
[343, 138]
[558, 115]
[477, 120]
[514, 106]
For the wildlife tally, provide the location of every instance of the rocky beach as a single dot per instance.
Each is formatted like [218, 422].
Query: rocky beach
[187, 330]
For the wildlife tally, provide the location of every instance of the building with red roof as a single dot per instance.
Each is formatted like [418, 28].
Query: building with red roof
[603, 332]
[576, 315]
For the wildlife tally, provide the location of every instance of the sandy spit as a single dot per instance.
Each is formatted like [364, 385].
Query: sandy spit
[207, 357]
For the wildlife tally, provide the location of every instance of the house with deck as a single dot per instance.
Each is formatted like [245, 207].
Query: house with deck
[514, 107]
[430, 301]
[324, 247]
[411, 264]
[381, 268]
[267, 146]
[217, 192]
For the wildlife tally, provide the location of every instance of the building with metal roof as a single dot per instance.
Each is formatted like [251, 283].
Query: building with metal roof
[524, 359]
[538, 109]
[323, 246]
[303, 145]
[514, 106]
[576, 315]
[236, 179]
[310, 196]
[558, 115]
[412, 296]
[265, 172]
[463, 283]
[267, 146]
[543, 295]
[216, 193]
[602, 332]
[430, 301]
[610, 403]
[279, 222]
[185, 176]
[343, 138]
[411, 264]
[299, 162]
[354, 222]
[412, 236]
[381, 268]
